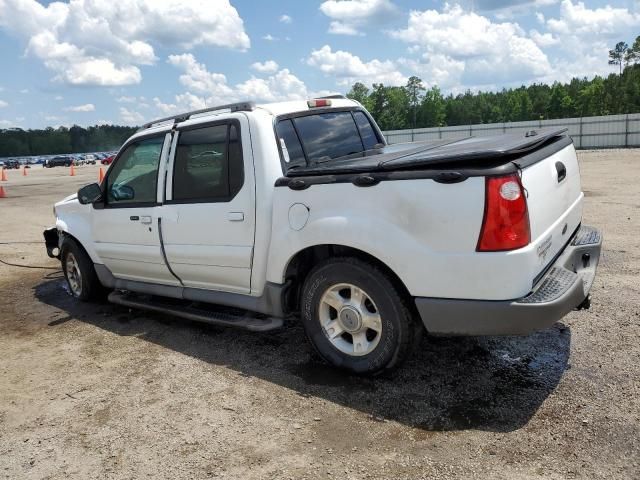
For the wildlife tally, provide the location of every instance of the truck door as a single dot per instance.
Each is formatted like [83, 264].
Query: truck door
[208, 217]
[125, 226]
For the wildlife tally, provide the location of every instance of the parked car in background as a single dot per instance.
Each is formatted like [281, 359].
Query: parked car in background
[90, 159]
[107, 160]
[60, 161]
[11, 164]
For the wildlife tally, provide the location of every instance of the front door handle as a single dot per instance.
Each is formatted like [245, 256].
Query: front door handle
[235, 216]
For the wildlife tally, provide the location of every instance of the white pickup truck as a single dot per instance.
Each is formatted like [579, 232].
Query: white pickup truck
[245, 214]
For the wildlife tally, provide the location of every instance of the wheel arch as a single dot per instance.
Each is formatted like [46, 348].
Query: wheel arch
[302, 262]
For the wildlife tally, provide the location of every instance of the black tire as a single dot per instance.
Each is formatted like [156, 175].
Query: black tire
[90, 288]
[398, 330]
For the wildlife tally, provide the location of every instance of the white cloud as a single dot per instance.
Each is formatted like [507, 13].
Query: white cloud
[348, 68]
[578, 20]
[339, 28]
[196, 78]
[100, 42]
[3, 104]
[585, 36]
[266, 67]
[6, 124]
[131, 117]
[58, 98]
[350, 16]
[24, 91]
[286, 19]
[436, 70]
[491, 52]
[205, 88]
[125, 99]
[543, 39]
[283, 85]
[269, 38]
[183, 102]
[87, 107]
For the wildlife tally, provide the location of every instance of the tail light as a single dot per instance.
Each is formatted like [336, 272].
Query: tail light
[506, 219]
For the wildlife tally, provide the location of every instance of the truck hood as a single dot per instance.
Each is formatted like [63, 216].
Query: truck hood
[71, 198]
[441, 153]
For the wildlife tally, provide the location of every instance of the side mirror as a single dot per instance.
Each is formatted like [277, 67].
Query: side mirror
[90, 194]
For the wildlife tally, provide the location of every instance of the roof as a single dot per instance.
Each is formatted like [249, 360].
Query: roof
[276, 108]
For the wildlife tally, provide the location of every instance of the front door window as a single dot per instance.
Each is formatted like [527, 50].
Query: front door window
[133, 178]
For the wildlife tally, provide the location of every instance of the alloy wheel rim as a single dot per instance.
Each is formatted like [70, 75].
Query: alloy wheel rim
[74, 277]
[350, 319]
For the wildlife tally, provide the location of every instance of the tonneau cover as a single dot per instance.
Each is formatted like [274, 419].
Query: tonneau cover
[416, 155]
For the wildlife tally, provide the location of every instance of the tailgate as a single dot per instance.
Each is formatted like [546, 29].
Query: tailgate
[554, 199]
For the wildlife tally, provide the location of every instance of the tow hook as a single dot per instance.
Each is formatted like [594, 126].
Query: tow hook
[586, 304]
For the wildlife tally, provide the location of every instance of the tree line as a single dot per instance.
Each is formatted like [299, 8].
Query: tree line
[414, 106]
[16, 142]
[410, 106]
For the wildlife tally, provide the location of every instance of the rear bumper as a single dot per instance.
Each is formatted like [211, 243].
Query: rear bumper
[563, 288]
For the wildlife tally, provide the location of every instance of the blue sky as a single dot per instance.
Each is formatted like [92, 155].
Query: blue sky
[126, 61]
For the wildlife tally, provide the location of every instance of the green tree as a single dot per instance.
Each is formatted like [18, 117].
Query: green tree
[432, 111]
[633, 53]
[414, 89]
[617, 55]
[360, 93]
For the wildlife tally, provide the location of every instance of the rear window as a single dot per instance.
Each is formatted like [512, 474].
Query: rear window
[325, 136]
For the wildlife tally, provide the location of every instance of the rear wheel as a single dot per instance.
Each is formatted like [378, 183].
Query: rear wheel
[78, 269]
[355, 317]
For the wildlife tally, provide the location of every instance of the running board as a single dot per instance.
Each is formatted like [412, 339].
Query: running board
[189, 312]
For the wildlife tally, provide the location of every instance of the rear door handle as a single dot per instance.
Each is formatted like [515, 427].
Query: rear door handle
[145, 219]
[235, 216]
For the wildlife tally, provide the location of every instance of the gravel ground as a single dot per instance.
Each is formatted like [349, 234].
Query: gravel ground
[99, 391]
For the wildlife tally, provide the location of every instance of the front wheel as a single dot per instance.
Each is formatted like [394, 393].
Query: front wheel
[79, 272]
[356, 317]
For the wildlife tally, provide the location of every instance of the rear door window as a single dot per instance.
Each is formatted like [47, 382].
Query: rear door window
[208, 165]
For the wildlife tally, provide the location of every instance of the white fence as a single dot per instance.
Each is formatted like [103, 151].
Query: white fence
[611, 131]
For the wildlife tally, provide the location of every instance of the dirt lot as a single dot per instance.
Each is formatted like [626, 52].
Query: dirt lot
[98, 391]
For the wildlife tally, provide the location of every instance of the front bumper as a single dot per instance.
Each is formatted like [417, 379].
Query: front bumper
[52, 242]
[563, 288]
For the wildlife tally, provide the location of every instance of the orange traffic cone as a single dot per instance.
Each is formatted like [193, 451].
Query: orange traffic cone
[4, 175]
[3, 194]
[100, 175]
[24, 171]
[72, 172]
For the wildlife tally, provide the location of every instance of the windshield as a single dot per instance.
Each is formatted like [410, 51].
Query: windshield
[322, 137]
